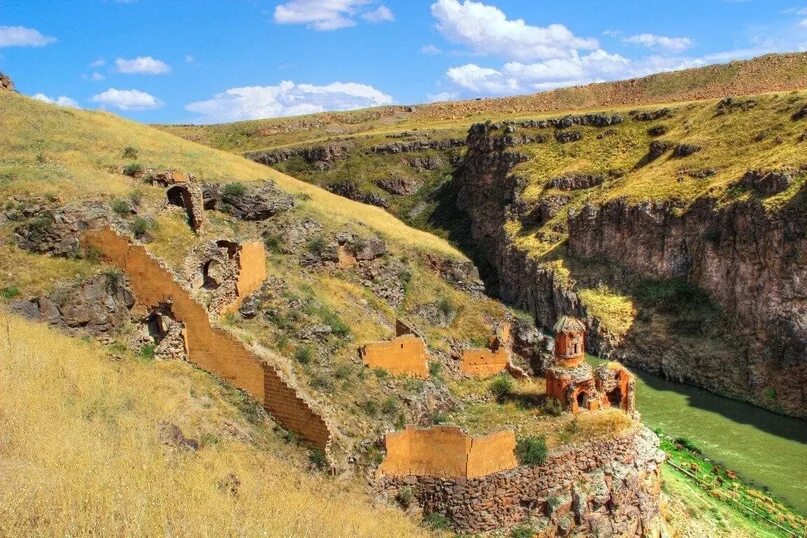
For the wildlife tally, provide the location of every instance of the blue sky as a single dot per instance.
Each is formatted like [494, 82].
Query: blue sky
[204, 61]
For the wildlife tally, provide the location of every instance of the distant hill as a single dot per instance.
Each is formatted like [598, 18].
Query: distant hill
[770, 73]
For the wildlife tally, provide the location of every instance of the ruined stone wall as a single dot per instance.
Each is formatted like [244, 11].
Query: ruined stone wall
[403, 355]
[211, 348]
[483, 362]
[447, 451]
[251, 261]
[608, 487]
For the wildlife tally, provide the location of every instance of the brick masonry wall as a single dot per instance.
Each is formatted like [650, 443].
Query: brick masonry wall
[251, 272]
[211, 348]
[403, 355]
[480, 362]
[601, 488]
[447, 451]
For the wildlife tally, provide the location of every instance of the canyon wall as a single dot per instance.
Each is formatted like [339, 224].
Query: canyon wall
[751, 261]
[211, 348]
[607, 487]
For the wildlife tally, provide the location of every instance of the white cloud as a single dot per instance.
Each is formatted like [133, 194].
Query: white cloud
[286, 99]
[100, 62]
[127, 99]
[142, 65]
[189, 59]
[329, 14]
[97, 76]
[671, 44]
[487, 30]
[803, 23]
[430, 49]
[380, 14]
[20, 36]
[442, 96]
[61, 100]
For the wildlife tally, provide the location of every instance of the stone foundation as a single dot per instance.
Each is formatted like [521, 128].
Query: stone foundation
[601, 488]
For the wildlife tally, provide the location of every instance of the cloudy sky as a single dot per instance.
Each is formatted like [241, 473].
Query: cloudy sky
[205, 61]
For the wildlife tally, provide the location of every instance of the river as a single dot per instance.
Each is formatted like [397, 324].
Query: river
[766, 449]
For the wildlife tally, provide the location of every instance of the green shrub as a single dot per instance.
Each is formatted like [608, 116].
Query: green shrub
[130, 153]
[140, 226]
[339, 327]
[390, 405]
[371, 408]
[435, 369]
[380, 373]
[121, 207]
[10, 292]
[405, 497]
[136, 197]
[304, 354]
[321, 382]
[318, 459]
[273, 243]
[552, 407]
[147, 351]
[133, 169]
[531, 450]
[523, 531]
[446, 307]
[343, 372]
[234, 189]
[316, 244]
[437, 522]
[502, 386]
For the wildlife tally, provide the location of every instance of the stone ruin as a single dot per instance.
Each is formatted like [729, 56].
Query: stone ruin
[406, 354]
[575, 384]
[162, 330]
[187, 195]
[487, 362]
[224, 272]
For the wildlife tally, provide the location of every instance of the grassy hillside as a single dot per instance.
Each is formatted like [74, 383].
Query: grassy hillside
[775, 72]
[85, 451]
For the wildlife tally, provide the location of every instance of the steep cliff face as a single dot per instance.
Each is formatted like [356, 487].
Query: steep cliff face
[751, 261]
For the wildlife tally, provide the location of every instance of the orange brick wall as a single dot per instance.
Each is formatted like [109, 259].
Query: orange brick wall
[402, 355]
[447, 451]
[251, 272]
[210, 348]
[483, 362]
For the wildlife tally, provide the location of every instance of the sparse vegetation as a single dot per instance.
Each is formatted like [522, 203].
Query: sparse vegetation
[235, 189]
[531, 450]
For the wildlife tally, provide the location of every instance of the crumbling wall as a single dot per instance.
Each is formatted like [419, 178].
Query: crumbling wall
[251, 260]
[605, 487]
[447, 451]
[403, 355]
[480, 362]
[211, 348]
[188, 195]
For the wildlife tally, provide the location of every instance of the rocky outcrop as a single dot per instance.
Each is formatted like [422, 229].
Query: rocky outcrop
[321, 157]
[401, 186]
[417, 145]
[247, 202]
[351, 190]
[97, 306]
[751, 261]
[607, 487]
[47, 229]
[748, 260]
[769, 181]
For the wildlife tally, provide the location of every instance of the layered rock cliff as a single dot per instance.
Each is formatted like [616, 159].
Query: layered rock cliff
[750, 260]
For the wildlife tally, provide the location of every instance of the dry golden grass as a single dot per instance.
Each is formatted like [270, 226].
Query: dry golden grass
[77, 154]
[614, 310]
[80, 453]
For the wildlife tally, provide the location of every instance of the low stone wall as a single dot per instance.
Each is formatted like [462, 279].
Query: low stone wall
[480, 362]
[211, 348]
[447, 451]
[403, 355]
[601, 488]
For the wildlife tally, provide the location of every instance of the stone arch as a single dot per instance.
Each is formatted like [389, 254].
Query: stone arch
[581, 399]
[188, 198]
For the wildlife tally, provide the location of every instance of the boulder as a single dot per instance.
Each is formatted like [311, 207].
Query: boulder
[251, 202]
[685, 150]
[401, 186]
[768, 181]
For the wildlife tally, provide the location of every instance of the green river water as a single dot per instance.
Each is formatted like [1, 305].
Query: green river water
[766, 449]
